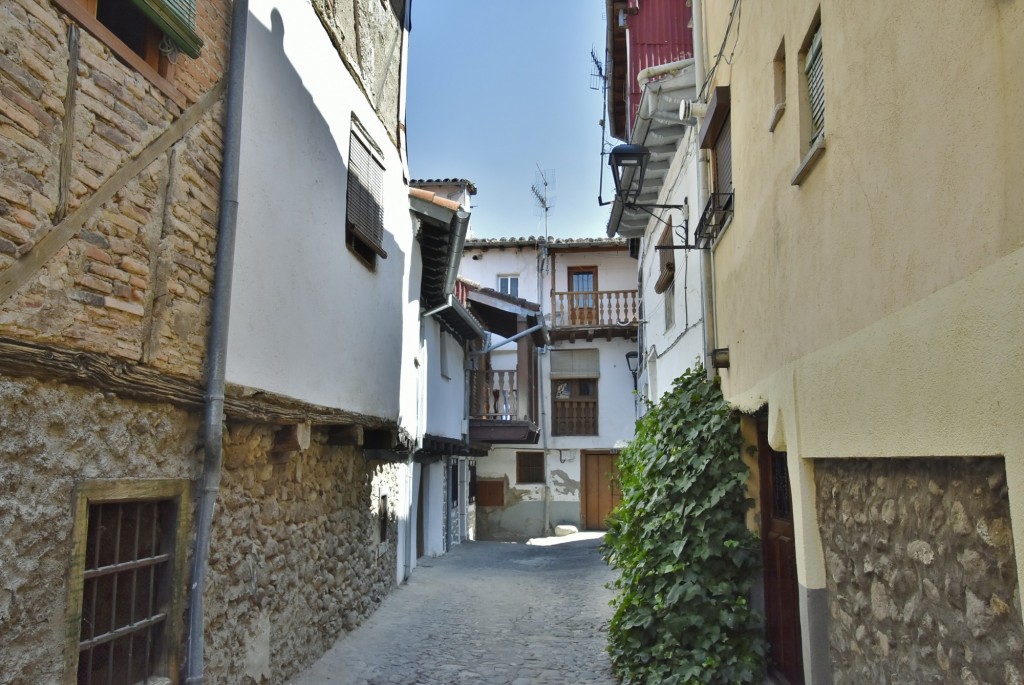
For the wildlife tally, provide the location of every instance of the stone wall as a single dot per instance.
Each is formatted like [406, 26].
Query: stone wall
[296, 559]
[921, 577]
[52, 436]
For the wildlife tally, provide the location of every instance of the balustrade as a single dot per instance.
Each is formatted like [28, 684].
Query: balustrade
[584, 308]
[495, 395]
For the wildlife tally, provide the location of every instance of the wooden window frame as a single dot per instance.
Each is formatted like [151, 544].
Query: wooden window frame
[156, 67]
[525, 472]
[172, 592]
[666, 260]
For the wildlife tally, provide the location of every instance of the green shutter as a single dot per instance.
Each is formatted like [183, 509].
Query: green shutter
[177, 19]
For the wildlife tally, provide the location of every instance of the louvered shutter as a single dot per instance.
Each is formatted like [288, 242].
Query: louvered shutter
[177, 19]
[815, 68]
[365, 214]
[723, 157]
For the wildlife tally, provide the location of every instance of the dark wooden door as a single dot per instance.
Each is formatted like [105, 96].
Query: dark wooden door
[600, 492]
[781, 590]
[419, 510]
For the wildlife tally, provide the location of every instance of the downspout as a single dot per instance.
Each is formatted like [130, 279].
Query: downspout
[707, 300]
[541, 265]
[213, 426]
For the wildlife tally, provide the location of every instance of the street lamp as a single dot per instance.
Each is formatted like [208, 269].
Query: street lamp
[633, 364]
[624, 159]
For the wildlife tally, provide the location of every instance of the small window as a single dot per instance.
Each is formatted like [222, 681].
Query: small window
[670, 304]
[509, 285]
[384, 515]
[472, 481]
[442, 355]
[146, 34]
[529, 467]
[453, 482]
[127, 581]
[814, 68]
[666, 260]
[779, 80]
[364, 213]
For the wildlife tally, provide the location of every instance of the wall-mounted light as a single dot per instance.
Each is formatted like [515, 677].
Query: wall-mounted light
[633, 364]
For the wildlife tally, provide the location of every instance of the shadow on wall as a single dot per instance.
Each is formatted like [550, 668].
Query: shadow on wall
[295, 201]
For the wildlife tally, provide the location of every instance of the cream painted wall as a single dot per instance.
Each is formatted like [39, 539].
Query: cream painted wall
[877, 308]
[308, 320]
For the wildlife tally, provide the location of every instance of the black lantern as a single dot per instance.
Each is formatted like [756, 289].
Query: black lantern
[633, 364]
[632, 160]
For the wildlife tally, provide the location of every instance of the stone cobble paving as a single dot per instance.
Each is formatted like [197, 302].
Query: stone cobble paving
[486, 613]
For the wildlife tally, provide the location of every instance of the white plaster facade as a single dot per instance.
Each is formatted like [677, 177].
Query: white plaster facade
[533, 509]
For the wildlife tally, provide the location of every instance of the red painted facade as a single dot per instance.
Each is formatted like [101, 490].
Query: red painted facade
[657, 32]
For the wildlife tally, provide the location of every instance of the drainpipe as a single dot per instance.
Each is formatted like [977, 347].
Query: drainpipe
[213, 428]
[541, 266]
[707, 300]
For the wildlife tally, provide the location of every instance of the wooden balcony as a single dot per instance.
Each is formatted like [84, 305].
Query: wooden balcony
[598, 313]
[496, 414]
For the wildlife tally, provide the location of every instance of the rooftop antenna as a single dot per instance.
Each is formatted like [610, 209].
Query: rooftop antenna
[541, 189]
[597, 78]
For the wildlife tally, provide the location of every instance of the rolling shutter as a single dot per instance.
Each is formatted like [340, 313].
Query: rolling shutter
[568, 364]
[365, 214]
[815, 68]
[177, 19]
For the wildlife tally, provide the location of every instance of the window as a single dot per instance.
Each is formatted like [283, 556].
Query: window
[384, 515]
[814, 68]
[529, 467]
[472, 481]
[583, 309]
[490, 493]
[812, 94]
[442, 355]
[127, 580]
[779, 80]
[509, 285]
[574, 410]
[364, 213]
[667, 261]
[453, 482]
[146, 34]
[670, 304]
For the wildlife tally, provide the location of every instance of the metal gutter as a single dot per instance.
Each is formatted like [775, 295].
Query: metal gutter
[213, 423]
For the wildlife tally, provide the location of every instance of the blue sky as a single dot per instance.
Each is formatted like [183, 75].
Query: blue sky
[500, 87]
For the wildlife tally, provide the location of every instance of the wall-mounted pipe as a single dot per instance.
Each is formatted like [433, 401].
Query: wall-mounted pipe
[460, 226]
[213, 422]
[647, 74]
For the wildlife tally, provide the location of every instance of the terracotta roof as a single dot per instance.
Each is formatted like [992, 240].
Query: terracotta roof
[432, 198]
[530, 241]
[423, 182]
[511, 299]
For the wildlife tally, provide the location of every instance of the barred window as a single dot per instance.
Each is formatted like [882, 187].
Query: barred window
[529, 467]
[127, 581]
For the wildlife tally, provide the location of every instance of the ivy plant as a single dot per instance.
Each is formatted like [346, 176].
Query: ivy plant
[686, 558]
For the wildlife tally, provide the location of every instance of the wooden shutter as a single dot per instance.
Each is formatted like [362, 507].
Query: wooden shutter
[667, 262]
[815, 68]
[723, 157]
[177, 19]
[365, 213]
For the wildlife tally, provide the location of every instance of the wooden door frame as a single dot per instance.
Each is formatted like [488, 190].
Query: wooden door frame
[766, 470]
[583, 479]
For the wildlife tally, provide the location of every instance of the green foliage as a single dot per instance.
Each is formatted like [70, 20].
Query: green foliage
[687, 559]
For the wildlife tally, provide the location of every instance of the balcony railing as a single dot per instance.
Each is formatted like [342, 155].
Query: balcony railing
[587, 309]
[574, 417]
[495, 395]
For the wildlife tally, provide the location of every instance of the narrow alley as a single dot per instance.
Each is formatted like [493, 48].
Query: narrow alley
[487, 612]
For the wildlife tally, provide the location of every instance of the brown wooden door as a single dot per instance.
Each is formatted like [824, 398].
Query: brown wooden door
[600, 491]
[582, 295]
[781, 590]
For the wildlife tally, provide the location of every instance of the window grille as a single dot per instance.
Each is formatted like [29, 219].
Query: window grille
[125, 592]
[364, 221]
[529, 467]
[815, 69]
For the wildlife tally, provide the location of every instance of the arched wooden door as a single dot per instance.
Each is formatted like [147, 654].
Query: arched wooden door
[781, 588]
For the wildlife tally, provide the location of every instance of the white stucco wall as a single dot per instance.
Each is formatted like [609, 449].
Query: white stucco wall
[308, 320]
[445, 396]
[484, 267]
[672, 348]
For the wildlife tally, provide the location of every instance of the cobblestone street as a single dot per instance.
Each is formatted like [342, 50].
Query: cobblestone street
[489, 613]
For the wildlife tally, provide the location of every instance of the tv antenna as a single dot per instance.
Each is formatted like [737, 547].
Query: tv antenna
[541, 191]
[597, 77]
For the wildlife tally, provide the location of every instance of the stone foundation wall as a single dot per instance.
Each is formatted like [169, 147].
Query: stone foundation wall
[296, 559]
[52, 436]
[921, 576]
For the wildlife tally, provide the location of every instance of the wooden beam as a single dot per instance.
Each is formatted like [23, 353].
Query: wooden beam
[129, 379]
[292, 438]
[345, 436]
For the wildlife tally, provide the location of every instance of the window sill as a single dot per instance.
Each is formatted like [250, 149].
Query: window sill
[122, 51]
[809, 161]
[780, 109]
